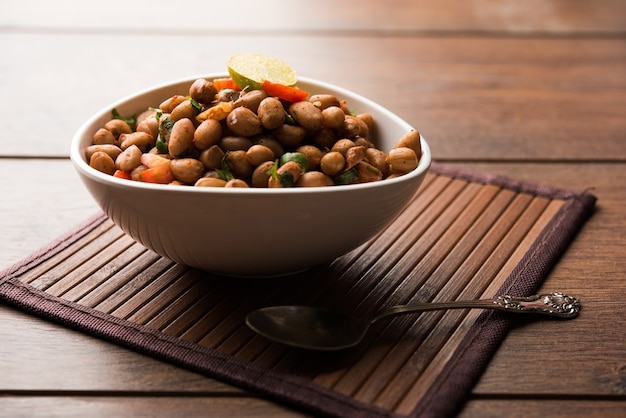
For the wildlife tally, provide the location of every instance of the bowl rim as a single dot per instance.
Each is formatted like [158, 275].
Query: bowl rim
[81, 165]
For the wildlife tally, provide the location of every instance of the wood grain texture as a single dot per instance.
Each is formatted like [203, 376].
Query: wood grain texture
[521, 408]
[443, 249]
[472, 97]
[84, 364]
[160, 405]
[533, 89]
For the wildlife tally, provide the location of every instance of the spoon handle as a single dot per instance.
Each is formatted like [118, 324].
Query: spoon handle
[552, 304]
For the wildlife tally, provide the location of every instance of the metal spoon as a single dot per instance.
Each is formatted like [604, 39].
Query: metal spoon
[326, 329]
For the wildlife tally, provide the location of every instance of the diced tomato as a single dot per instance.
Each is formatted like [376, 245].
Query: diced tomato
[158, 174]
[290, 94]
[122, 174]
[225, 83]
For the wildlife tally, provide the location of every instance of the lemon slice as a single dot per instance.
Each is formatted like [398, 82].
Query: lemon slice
[250, 70]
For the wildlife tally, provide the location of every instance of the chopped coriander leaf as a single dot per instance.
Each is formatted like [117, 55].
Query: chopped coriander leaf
[273, 172]
[224, 172]
[298, 157]
[196, 106]
[348, 177]
[131, 120]
[286, 179]
[161, 145]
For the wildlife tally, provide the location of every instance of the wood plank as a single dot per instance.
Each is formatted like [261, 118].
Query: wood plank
[564, 350]
[593, 265]
[39, 356]
[106, 406]
[511, 16]
[139, 405]
[539, 408]
[32, 361]
[541, 80]
[594, 252]
[37, 206]
[471, 97]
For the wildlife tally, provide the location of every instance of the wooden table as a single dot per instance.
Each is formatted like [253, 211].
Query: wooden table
[534, 90]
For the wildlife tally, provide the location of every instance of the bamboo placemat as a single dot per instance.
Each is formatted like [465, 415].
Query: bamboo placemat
[466, 235]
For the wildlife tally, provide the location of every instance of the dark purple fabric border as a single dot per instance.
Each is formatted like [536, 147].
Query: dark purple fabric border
[445, 397]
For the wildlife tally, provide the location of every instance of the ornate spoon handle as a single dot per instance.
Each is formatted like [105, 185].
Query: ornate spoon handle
[552, 304]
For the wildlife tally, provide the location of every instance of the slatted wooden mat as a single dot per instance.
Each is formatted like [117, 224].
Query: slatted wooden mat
[466, 235]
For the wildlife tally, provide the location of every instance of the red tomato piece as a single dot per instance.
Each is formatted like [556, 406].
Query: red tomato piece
[225, 83]
[290, 94]
[158, 174]
[122, 175]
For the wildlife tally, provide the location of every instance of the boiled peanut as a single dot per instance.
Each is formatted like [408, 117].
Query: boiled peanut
[150, 126]
[207, 134]
[238, 164]
[235, 143]
[187, 170]
[378, 159]
[325, 138]
[129, 159]
[181, 137]
[323, 101]
[202, 91]
[260, 175]
[354, 155]
[360, 141]
[343, 145]
[368, 172]
[103, 136]
[183, 110]
[314, 179]
[210, 182]
[143, 140]
[368, 119]
[212, 157]
[258, 154]
[236, 183]
[411, 140]
[118, 127]
[102, 162]
[306, 115]
[332, 163]
[271, 113]
[402, 160]
[109, 149]
[251, 100]
[243, 122]
[271, 143]
[353, 127]
[333, 117]
[290, 136]
[313, 155]
[169, 104]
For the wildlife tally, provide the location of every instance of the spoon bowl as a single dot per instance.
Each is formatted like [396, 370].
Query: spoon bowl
[327, 330]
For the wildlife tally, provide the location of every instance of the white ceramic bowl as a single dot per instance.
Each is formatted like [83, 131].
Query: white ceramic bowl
[250, 232]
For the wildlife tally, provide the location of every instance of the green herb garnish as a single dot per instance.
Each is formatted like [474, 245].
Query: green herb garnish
[347, 177]
[132, 121]
[224, 172]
